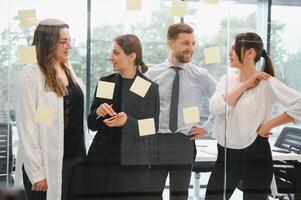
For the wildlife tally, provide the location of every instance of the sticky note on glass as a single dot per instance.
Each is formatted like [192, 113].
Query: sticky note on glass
[44, 115]
[146, 127]
[179, 8]
[211, 1]
[140, 86]
[212, 55]
[28, 18]
[27, 55]
[105, 90]
[133, 4]
[191, 114]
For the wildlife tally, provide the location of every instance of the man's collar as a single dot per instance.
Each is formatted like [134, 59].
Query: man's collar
[169, 64]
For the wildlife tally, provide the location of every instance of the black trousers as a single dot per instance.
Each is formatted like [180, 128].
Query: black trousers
[31, 195]
[66, 175]
[104, 181]
[251, 166]
[176, 155]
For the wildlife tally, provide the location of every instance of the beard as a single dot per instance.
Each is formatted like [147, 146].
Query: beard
[182, 58]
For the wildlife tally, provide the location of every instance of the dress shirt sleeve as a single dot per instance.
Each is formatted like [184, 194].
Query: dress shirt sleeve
[148, 74]
[29, 136]
[208, 125]
[217, 103]
[209, 91]
[289, 98]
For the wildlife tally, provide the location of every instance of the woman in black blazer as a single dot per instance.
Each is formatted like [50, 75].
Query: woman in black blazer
[119, 159]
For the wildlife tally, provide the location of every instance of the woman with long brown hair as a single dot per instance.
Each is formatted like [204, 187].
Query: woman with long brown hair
[47, 151]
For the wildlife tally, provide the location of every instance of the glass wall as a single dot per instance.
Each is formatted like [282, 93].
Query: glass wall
[149, 24]
[215, 26]
[218, 31]
[285, 43]
[13, 35]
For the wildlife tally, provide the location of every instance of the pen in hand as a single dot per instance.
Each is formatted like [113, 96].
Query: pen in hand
[100, 115]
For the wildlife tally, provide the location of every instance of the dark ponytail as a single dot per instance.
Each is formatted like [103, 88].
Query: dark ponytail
[143, 67]
[245, 41]
[131, 44]
[267, 66]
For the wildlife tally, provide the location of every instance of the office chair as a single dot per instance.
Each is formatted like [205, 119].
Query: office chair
[287, 173]
[198, 168]
[6, 152]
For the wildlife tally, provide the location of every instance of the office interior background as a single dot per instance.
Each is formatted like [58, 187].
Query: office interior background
[95, 23]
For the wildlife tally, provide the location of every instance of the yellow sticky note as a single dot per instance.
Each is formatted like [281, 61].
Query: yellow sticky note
[212, 55]
[179, 8]
[27, 55]
[140, 86]
[146, 127]
[211, 1]
[191, 114]
[28, 18]
[133, 4]
[105, 90]
[44, 115]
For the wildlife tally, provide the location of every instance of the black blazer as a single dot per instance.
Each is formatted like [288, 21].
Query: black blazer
[123, 145]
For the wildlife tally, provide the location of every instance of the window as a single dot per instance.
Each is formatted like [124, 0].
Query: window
[112, 19]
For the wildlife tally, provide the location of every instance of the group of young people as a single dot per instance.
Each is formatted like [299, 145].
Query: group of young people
[52, 162]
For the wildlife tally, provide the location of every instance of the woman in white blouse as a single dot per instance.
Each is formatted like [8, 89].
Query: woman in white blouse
[48, 151]
[249, 98]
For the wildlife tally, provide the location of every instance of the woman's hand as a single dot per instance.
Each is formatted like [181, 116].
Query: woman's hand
[264, 130]
[105, 109]
[40, 186]
[118, 121]
[254, 80]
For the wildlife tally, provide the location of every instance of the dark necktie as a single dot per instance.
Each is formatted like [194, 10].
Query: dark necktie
[174, 102]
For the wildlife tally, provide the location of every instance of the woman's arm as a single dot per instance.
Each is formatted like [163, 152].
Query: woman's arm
[98, 110]
[29, 136]
[93, 121]
[217, 103]
[264, 129]
[232, 97]
[290, 99]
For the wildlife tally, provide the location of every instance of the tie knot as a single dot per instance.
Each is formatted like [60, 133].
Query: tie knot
[176, 68]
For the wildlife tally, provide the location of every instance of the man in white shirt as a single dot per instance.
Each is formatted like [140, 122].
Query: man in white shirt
[181, 85]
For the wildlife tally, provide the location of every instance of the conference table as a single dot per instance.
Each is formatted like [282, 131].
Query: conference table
[207, 152]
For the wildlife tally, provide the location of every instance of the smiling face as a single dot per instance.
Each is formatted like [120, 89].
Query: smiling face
[182, 47]
[119, 59]
[63, 46]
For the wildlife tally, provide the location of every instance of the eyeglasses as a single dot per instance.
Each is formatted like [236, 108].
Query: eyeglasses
[66, 41]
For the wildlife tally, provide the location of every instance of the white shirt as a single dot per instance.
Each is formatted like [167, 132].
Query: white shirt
[41, 146]
[253, 108]
[196, 84]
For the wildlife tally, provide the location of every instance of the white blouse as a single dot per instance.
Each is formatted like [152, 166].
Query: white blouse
[253, 108]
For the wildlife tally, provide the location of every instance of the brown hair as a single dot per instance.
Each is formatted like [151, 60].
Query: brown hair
[46, 38]
[131, 44]
[245, 41]
[175, 29]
